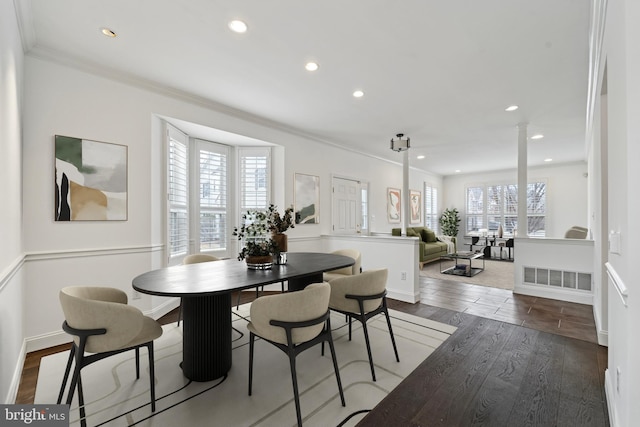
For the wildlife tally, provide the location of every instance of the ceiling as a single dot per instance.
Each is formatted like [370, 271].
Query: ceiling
[441, 72]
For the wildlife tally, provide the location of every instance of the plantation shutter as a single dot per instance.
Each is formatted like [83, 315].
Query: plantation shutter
[178, 190]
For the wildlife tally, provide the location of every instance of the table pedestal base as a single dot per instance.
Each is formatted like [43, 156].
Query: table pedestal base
[206, 345]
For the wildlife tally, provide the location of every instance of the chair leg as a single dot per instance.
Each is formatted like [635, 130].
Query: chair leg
[294, 380]
[66, 373]
[335, 363]
[83, 414]
[152, 376]
[251, 339]
[137, 351]
[366, 340]
[393, 340]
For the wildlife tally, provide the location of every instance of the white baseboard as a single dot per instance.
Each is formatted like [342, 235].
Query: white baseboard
[403, 296]
[609, 391]
[17, 375]
[603, 335]
[553, 293]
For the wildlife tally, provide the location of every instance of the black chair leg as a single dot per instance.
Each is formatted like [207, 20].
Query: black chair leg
[137, 351]
[83, 415]
[366, 339]
[335, 362]
[393, 340]
[66, 373]
[152, 376]
[294, 379]
[251, 339]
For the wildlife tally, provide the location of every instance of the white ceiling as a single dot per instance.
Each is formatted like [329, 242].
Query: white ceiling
[441, 72]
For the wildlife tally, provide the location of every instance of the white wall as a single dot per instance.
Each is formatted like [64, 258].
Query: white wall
[11, 256]
[67, 101]
[567, 193]
[622, 59]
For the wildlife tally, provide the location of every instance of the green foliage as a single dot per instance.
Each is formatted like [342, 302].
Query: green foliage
[257, 229]
[449, 222]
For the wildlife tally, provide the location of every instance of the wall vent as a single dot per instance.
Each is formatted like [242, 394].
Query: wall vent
[557, 278]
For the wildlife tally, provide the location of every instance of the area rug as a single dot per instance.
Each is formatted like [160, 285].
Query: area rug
[113, 397]
[497, 274]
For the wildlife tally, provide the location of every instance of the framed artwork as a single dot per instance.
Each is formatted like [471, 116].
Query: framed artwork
[307, 199]
[90, 180]
[393, 205]
[415, 203]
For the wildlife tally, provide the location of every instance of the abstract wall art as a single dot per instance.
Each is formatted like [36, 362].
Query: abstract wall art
[393, 205]
[90, 180]
[307, 199]
[415, 203]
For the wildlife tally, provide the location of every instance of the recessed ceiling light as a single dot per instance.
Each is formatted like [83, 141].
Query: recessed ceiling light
[238, 26]
[108, 32]
[511, 108]
[358, 94]
[537, 136]
[458, 171]
[420, 157]
[311, 66]
[548, 160]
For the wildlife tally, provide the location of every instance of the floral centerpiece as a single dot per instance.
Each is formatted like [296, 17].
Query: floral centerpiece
[259, 231]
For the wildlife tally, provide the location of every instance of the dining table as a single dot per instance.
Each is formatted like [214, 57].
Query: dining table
[205, 290]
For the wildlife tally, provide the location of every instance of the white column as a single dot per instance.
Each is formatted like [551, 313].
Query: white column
[522, 180]
[405, 191]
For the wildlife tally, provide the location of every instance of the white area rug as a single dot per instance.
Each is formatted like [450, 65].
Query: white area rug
[497, 274]
[114, 397]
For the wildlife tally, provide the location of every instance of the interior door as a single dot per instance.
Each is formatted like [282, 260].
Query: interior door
[346, 206]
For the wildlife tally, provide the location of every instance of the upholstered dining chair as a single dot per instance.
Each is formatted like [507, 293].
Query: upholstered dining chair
[361, 297]
[103, 324]
[293, 322]
[346, 271]
[195, 259]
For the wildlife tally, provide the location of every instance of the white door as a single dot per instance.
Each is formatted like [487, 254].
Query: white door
[346, 206]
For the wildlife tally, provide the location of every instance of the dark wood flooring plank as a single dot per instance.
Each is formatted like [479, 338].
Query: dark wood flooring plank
[425, 381]
[582, 396]
[538, 403]
[496, 398]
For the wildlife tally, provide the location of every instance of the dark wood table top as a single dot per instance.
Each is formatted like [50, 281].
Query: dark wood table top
[224, 276]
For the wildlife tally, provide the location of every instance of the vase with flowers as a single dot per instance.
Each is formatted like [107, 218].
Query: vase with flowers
[257, 235]
[277, 226]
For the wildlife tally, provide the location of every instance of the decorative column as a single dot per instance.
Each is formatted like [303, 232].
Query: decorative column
[405, 192]
[523, 225]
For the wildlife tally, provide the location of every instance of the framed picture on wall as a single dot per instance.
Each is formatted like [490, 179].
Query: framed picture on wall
[307, 199]
[90, 180]
[393, 205]
[415, 204]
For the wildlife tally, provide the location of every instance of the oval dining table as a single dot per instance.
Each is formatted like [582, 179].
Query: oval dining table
[206, 288]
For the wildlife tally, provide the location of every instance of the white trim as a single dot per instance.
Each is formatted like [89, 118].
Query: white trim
[618, 283]
[12, 393]
[603, 335]
[77, 253]
[583, 297]
[11, 271]
[609, 391]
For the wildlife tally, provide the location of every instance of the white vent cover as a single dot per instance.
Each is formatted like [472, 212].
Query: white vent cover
[557, 278]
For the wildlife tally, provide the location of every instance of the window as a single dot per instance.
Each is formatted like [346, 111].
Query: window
[490, 206]
[212, 197]
[198, 182]
[431, 219]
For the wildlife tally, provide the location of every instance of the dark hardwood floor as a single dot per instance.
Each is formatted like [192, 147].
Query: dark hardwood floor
[522, 369]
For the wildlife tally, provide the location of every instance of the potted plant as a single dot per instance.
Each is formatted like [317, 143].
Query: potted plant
[257, 234]
[278, 225]
[449, 222]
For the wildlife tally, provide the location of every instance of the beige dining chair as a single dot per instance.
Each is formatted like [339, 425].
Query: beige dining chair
[361, 297]
[293, 322]
[346, 271]
[103, 324]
